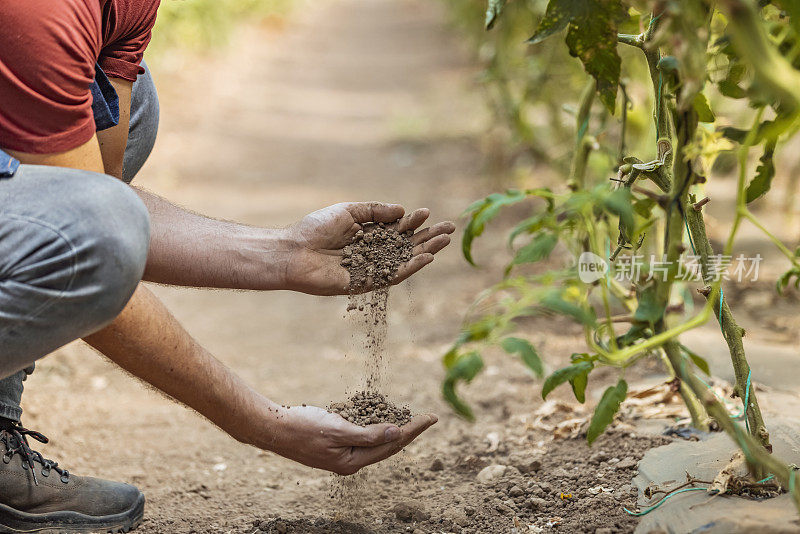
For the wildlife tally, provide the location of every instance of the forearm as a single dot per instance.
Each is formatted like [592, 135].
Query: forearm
[187, 249]
[147, 341]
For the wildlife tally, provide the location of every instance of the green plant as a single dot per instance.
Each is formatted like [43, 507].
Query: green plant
[748, 56]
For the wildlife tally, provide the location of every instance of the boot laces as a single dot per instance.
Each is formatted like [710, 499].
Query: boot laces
[16, 441]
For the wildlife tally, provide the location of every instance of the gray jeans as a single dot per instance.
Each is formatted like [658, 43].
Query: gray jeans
[73, 245]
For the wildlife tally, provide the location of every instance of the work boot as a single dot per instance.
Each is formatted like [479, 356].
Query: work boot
[36, 495]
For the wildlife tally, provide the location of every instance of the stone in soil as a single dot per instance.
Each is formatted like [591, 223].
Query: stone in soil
[369, 408]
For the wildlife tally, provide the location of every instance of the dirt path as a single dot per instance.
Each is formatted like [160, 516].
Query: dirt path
[353, 100]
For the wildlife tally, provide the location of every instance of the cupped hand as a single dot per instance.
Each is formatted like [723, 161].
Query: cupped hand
[319, 237]
[321, 439]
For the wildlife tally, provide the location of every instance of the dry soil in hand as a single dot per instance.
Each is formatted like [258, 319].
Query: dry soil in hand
[370, 408]
[377, 252]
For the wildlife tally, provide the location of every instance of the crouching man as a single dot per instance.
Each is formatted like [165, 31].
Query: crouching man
[78, 118]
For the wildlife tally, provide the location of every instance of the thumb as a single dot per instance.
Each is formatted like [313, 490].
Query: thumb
[373, 435]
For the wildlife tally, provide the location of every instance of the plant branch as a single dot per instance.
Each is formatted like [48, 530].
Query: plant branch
[730, 330]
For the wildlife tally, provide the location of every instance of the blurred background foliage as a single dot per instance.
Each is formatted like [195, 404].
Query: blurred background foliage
[201, 25]
[533, 92]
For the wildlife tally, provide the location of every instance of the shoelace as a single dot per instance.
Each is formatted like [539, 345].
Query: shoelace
[16, 442]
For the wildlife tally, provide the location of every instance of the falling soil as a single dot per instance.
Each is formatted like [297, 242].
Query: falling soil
[369, 408]
[377, 252]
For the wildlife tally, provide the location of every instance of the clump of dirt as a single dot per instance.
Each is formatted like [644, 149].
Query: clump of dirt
[377, 252]
[369, 408]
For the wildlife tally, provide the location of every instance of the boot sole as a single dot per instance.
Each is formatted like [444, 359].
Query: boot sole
[15, 522]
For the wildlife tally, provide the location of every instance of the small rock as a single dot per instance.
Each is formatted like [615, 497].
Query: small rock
[491, 473]
[536, 503]
[530, 467]
[469, 510]
[626, 463]
[410, 511]
[437, 465]
[604, 530]
[515, 491]
[471, 463]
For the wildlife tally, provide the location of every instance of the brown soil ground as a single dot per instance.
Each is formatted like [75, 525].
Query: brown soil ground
[350, 100]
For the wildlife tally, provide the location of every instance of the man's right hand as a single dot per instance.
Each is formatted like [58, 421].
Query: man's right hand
[317, 438]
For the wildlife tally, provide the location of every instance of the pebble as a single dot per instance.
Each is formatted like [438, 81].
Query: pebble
[437, 465]
[536, 503]
[626, 463]
[515, 491]
[491, 473]
[410, 511]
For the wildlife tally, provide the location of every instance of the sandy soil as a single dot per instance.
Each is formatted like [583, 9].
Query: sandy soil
[352, 100]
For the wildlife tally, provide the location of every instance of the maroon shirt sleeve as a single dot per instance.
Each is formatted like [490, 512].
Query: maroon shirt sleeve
[47, 59]
[127, 27]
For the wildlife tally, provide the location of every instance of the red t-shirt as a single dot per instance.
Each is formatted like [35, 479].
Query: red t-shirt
[48, 52]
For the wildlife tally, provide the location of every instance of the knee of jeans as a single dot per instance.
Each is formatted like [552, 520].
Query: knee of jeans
[114, 248]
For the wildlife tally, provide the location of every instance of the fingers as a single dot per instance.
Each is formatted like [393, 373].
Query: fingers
[445, 227]
[410, 267]
[364, 212]
[369, 455]
[413, 220]
[432, 246]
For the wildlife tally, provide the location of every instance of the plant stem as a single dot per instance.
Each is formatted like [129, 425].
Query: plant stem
[730, 330]
[754, 453]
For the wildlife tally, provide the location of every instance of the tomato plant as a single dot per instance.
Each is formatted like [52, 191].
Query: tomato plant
[630, 189]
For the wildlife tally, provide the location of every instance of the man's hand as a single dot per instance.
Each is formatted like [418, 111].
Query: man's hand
[317, 438]
[314, 266]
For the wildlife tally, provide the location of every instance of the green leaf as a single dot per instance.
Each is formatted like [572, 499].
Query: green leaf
[620, 204]
[649, 309]
[526, 351]
[731, 90]
[478, 330]
[483, 211]
[635, 333]
[493, 10]
[765, 172]
[644, 207]
[698, 360]
[792, 7]
[579, 386]
[591, 37]
[606, 409]
[555, 303]
[529, 226]
[464, 368]
[538, 249]
[703, 109]
[786, 278]
[555, 19]
[565, 374]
